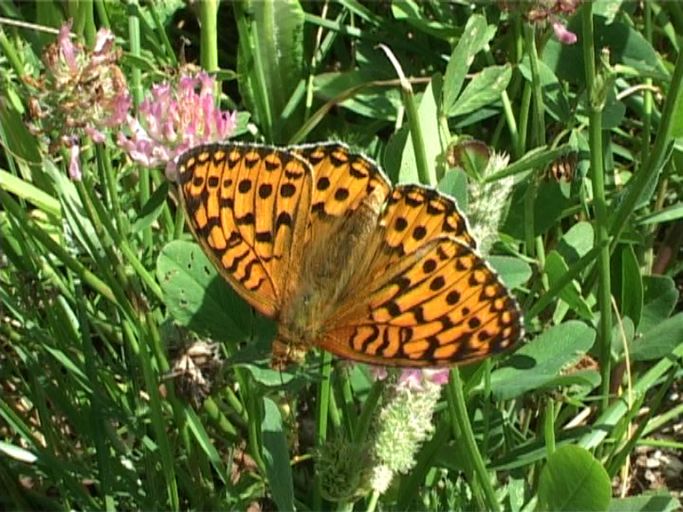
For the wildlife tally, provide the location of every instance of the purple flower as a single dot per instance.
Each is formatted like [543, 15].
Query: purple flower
[81, 92]
[564, 35]
[414, 378]
[173, 120]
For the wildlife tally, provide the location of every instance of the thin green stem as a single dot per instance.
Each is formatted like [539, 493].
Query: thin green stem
[101, 9]
[367, 413]
[11, 54]
[425, 172]
[102, 221]
[653, 406]
[597, 175]
[322, 415]
[249, 50]
[537, 91]
[456, 399]
[169, 51]
[208, 16]
[156, 415]
[372, 504]
[136, 90]
[549, 427]
[620, 408]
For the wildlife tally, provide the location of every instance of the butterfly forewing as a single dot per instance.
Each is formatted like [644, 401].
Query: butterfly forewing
[342, 179]
[415, 215]
[248, 206]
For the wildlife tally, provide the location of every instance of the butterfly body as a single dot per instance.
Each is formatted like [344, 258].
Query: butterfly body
[316, 238]
[325, 280]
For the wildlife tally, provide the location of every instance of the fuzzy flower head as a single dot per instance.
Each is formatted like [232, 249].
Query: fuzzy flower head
[173, 119]
[486, 200]
[81, 92]
[404, 422]
[343, 468]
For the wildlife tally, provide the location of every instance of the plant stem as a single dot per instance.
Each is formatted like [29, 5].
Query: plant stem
[456, 399]
[595, 105]
[322, 417]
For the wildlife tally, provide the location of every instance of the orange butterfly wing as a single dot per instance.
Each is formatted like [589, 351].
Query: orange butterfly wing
[426, 298]
[248, 206]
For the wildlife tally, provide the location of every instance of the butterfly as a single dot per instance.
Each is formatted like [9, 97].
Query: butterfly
[315, 237]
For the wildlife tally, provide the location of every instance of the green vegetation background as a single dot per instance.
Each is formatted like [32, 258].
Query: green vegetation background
[99, 283]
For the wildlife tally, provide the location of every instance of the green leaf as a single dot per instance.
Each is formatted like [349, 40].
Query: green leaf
[393, 155]
[573, 480]
[276, 456]
[580, 382]
[428, 119]
[268, 377]
[660, 297]
[197, 296]
[541, 360]
[608, 9]
[409, 11]
[660, 341]
[549, 205]
[475, 37]
[576, 242]
[555, 268]
[623, 332]
[152, 208]
[30, 193]
[514, 271]
[20, 142]
[454, 184]
[673, 212]
[485, 88]
[204, 440]
[84, 234]
[626, 46]
[660, 501]
[627, 283]
[554, 98]
[613, 112]
[270, 59]
[370, 102]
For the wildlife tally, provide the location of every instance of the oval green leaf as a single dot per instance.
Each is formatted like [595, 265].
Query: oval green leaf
[573, 480]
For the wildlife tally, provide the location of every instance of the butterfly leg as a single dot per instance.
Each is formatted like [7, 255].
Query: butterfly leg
[284, 353]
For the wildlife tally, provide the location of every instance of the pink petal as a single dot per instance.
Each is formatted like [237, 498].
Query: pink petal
[563, 35]
[411, 377]
[378, 372]
[94, 134]
[66, 47]
[75, 163]
[104, 40]
[439, 376]
[171, 170]
[121, 106]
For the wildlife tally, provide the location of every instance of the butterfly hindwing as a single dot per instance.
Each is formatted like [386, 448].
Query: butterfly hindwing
[444, 307]
[427, 300]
